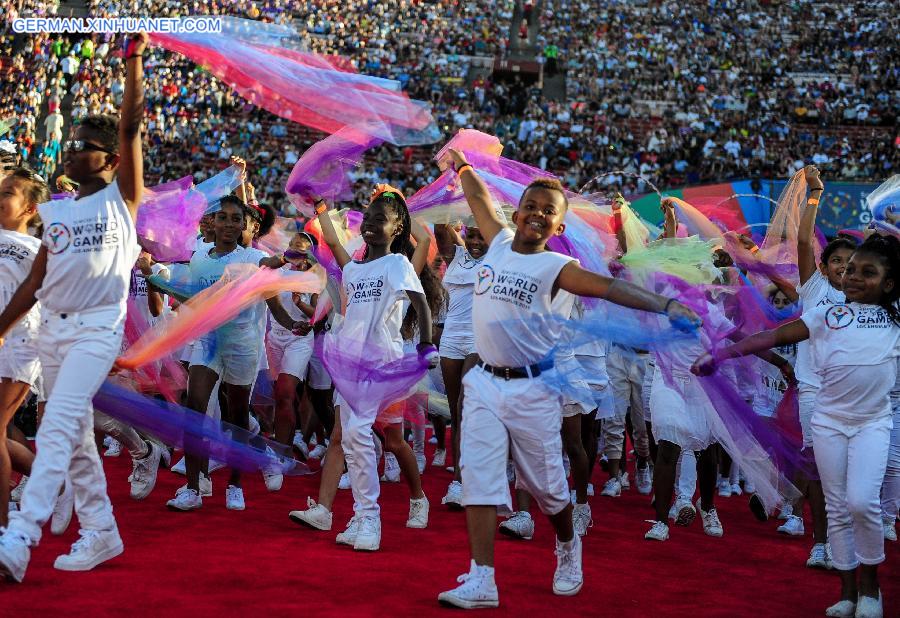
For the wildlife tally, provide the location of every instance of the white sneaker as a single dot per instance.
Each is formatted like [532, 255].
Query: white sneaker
[725, 488]
[453, 499]
[711, 524]
[234, 498]
[478, 589]
[659, 532]
[581, 518]
[786, 511]
[818, 557]
[273, 474]
[890, 530]
[344, 482]
[16, 494]
[568, 578]
[205, 486]
[869, 607]
[179, 467]
[612, 488]
[14, 554]
[114, 450]
[684, 513]
[185, 500]
[300, 446]
[623, 480]
[93, 548]
[590, 490]
[318, 452]
[391, 469]
[736, 489]
[519, 526]
[106, 441]
[643, 480]
[439, 459]
[368, 536]
[348, 536]
[842, 609]
[315, 516]
[253, 426]
[793, 526]
[421, 462]
[432, 440]
[418, 513]
[144, 472]
[62, 511]
[749, 487]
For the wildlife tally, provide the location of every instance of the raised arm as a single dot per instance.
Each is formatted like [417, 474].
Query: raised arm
[618, 225]
[478, 197]
[131, 159]
[330, 234]
[241, 192]
[670, 221]
[24, 297]
[576, 280]
[447, 240]
[806, 259]
[423, 244]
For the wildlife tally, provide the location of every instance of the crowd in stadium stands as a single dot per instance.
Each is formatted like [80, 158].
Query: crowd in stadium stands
[677, 93]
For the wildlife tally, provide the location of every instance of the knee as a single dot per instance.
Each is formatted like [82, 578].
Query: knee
[393, 442]
[862, 504]
[356, 434]
[285, 392]
[667, 454]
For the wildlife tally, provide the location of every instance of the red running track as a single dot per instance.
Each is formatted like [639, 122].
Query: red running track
[215, 562]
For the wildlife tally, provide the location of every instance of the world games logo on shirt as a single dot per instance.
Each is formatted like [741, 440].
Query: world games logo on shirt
[468, 262]
[838, 317]
[59, 236]
[483, 279]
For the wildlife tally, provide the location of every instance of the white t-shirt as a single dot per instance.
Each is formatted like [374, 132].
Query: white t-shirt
[770, 382]
[459, 281]
[279, 332]
[17, 253]
[91, 249]
[816, 292]
[137, 290]
[513, 316]
[854, 348]
[207, 269]
[375, 292]
[679, 356]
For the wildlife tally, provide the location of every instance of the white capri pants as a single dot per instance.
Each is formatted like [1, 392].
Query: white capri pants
[806, 400]
[627, 370]
[77, 352]
[851, 457]
[357, 440]
[518, 417]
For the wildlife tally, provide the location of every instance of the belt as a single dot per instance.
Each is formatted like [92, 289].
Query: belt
[509, 373]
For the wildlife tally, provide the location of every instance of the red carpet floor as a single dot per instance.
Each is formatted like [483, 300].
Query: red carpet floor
[215, 562]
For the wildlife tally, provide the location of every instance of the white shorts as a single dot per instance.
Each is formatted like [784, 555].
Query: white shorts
[318, 376]
[457, 346]
[19, 359]
[290, 356]
[236, 363]
[806, 399]
[679, 412]
[518, 417]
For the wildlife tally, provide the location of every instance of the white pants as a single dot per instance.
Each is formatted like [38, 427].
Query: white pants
[686, 475]
[518, 417]
[890, 490]
[851, 457]
[77, 353]
[627, 370]
[359, 452]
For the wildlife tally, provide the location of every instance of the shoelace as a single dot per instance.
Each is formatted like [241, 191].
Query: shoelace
[567, 564]
[712, 518]
[415, 508]
[82, 544]
[6, 536]
[367, 526]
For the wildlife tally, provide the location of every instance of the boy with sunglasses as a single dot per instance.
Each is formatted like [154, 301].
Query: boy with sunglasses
[81, 276]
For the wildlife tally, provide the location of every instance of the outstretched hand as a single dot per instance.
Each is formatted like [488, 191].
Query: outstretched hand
[704, 366]
[683, 318]
[811, 175]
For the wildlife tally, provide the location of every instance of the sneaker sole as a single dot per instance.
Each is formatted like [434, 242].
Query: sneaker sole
[308, 524]
[686, 516]
[514, 535]
[178, 509]
[448, 601]
[453, 506]
[107, 555]
[567, 593]
[787, 533]
[236, 508]
[367, 549]
[416, 526]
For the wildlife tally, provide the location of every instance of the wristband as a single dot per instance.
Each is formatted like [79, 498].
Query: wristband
[463, 167]
[813, 201]
[755, 249]
[129, 49]
[666, 310]
[321, 206]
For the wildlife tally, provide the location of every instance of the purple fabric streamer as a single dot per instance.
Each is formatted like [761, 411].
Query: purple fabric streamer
[167, 219]
[196, 433]
[322, 171]
[366, 383]
[220, 185]
[63, 196]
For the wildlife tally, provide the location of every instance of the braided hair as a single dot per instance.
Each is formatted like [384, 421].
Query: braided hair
[888, 249]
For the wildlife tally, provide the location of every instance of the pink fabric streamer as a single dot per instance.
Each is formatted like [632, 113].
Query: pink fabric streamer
[166, 376]
[240, 287]
[314, 90]
[168, 218]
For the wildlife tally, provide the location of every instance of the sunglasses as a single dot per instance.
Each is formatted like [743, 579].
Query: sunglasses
[79, 145]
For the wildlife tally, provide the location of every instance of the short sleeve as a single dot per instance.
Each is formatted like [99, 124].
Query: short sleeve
[814, 318]
[813, 288]
[46, 211]
[504, 236]
[403, 276]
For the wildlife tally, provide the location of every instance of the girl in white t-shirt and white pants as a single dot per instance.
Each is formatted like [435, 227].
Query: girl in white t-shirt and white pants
[854, 347]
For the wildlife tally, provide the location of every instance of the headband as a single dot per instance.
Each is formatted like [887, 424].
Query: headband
[385, 190]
